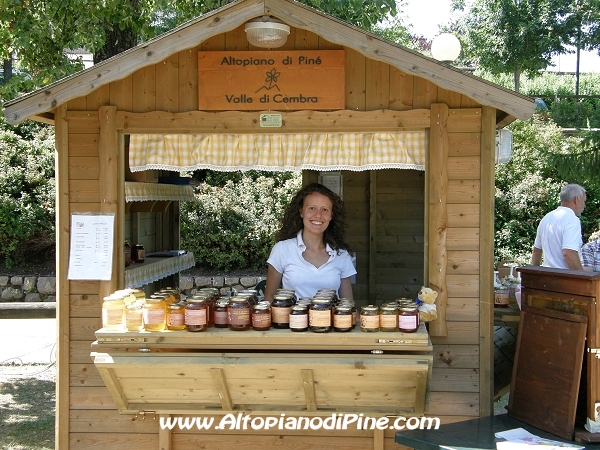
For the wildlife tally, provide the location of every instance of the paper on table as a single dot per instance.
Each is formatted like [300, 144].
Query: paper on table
[520, 438]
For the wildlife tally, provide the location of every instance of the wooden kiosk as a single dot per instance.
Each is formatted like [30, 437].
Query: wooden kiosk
[414, 222]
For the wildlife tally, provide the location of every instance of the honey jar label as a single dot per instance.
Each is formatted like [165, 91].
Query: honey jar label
[320, 318]
[501, 299]
[195, 317]
[299, 321]
[175, 320]
[388, 320]
[154, 316]
[342, 320]
[112, 316]
[239, 316]
[281, 315]
[369, 321]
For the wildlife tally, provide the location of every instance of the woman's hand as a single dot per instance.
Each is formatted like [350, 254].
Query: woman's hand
[345, 290]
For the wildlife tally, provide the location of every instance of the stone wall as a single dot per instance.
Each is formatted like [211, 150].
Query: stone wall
[43, 289]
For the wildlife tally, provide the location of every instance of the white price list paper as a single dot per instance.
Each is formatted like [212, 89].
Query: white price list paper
[90, 257]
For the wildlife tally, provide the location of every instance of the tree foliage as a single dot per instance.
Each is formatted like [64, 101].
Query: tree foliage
[37, 32]
[521, 36]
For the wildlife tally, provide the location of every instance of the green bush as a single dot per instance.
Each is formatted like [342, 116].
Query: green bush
[231, 225]
[26, 193]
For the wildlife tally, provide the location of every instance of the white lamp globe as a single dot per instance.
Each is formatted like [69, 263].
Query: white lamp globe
[445, 47]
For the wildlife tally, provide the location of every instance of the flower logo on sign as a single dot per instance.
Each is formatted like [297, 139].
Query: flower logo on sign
[271, 78]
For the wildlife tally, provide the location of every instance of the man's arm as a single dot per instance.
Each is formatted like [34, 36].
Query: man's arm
[536, 257]
[572, 259]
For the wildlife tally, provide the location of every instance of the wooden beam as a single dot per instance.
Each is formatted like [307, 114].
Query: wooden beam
[292, 122]
[63, 221]
[218, 376]
[108, 148]
[372, 236]
[164, 435]
[437, 180]
[309, 389]
[486, 262]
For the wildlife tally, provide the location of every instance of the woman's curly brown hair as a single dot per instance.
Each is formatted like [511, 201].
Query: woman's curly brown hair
[291, 222]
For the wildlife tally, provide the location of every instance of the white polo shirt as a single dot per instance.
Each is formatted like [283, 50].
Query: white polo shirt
[303, 277]
[559, 229]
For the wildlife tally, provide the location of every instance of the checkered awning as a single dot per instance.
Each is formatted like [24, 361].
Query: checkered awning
[279, 152]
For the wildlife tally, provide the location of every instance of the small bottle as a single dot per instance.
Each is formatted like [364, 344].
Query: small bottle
[238, 314]
[342, 318]
[133, 316]
[369, 318]
[195, 315]
[154, 313]
[299, 317]
[176, 317]
[388, 317]
[113, 313]
[220, 313]
[138, 254]
[261, 316]
[408, 318]
[319, 316]
[280, 310]
[501, 296]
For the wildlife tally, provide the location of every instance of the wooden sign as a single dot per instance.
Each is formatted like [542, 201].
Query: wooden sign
[271, 80]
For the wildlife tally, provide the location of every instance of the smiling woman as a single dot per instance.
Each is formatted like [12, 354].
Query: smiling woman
[311, 252]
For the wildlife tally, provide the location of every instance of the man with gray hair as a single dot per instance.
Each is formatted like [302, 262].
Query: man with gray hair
[558, 236]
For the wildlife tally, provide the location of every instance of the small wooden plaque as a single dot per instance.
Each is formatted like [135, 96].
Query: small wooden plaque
[547, 370]
[286, 80]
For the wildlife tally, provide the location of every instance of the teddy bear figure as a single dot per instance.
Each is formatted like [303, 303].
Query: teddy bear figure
[426, 303]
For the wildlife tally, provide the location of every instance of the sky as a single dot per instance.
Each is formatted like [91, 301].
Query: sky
[427, 15]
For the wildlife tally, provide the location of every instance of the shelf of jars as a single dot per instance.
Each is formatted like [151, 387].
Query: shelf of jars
[155, 268]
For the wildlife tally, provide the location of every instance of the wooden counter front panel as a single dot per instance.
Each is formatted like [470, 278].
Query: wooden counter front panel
[178, 383]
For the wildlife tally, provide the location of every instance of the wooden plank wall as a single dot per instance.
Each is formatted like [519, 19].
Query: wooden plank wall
[87, 417]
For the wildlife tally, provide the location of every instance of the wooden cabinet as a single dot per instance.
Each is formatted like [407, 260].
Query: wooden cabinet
[574, 292]
[278, 371]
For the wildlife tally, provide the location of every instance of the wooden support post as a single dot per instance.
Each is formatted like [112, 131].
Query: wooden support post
[108, 149]
[218, 376]
[164, 435]
[114, 386]
[372, 236]
[437, 179]
[309, 389]
[378, 439]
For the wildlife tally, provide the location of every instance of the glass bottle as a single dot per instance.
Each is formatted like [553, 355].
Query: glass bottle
[299, 317]
[261, 316]
[196, 315]
[408, 318]
[176, 317]
[133, 316]
[280, 310]
[342, 318]
[369, 318]
[319, 316]
[113, 313]
[238, 314]
[388, 317]
[220, 313]
[154, 313]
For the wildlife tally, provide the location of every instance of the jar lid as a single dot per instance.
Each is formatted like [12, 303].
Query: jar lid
[320, 301]
[262, 305]
[134, 305]
[300, 307]
[153, 299]
[343, 308]
[389, 308]
[237, 299]
[407, 308]
[175, 306]
[370, 308]
[196, 299]
[112, 297]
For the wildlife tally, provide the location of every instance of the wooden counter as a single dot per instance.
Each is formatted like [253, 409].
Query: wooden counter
[220, 371]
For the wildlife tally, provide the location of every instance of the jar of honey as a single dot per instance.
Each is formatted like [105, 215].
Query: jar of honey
[113, 313]
[299, 317]
[176, 317]
[261, 316]
[195, 314]
[238, 314]
[280, 310]
[133, 316]
[138, 254]
[154, 313]
[369, 318]
[319, 316]
[408, 318]
[220, 313]
[342, 318]
[388, 317]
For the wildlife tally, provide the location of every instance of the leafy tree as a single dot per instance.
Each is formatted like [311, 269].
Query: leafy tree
[515, 36]
[38, 31]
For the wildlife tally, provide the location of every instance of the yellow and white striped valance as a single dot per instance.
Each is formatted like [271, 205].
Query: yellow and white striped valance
[141, 192]
[279, 152]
